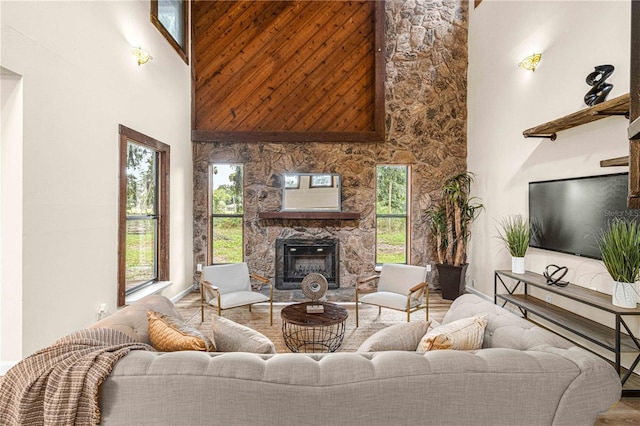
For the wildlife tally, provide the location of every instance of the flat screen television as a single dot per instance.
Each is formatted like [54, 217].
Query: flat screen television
[567, 214]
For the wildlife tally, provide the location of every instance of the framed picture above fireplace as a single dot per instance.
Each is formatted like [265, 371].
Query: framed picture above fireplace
[311, 192]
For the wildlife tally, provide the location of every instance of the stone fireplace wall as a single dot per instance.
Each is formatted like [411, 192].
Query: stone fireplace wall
[425, 90]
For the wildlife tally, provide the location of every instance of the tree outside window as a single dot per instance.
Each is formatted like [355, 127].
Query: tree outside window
[142, 216]
[227, 213]
[392, 195]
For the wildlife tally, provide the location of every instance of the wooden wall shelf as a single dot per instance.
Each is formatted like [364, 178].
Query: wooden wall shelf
[615, 162]
[616, 106]
[310, 215]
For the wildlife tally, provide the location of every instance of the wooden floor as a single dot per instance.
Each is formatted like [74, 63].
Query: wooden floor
[626, 412]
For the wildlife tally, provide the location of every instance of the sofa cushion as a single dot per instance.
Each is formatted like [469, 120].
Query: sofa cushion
[229, 336]
[463, 334]
[132, 320]
[398, 337]
[504, 329]
[168, 334]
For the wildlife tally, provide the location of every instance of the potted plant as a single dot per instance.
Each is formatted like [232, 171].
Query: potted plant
[514, 232]
[619, 244]
[450, 223]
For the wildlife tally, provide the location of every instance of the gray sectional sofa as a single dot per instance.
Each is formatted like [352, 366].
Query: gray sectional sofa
[524, 375]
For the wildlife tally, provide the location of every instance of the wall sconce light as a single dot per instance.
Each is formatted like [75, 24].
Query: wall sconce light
[530, 62]
[142, 56]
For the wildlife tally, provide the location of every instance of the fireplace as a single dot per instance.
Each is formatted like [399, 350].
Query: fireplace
[297, 258]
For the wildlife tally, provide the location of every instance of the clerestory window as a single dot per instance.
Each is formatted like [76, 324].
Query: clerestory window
[171, 18]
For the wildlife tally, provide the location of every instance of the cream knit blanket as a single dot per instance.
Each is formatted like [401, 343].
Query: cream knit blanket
[58, 385]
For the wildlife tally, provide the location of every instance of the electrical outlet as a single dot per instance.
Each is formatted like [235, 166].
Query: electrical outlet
[473, 283]
[428, 267]
[199, 267]
[102, 311]
[548, 298]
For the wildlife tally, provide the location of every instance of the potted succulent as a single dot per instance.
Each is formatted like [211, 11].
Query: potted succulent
[514, 232]
[450, 223]
[619, 244]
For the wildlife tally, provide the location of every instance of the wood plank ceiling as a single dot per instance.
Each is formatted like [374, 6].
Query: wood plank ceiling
[288, 71]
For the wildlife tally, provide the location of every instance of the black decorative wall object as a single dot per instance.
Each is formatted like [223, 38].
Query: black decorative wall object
[600, 89]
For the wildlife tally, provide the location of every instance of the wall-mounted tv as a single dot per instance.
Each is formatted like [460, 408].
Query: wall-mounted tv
[567, 214]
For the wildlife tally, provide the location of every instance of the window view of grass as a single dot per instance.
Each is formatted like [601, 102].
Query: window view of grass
[140, 256]
[391, 237]
[227, 208]
[227, 240]
[391, 214]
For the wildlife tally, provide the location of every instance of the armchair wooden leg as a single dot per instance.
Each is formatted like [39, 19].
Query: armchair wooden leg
[357, 322]
[408, 316]
[201, 304]
[270, 304]
[357, 319]
[426, 307]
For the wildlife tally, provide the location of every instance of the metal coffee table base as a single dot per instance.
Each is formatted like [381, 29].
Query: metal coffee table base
[313, 339]
[305, 331]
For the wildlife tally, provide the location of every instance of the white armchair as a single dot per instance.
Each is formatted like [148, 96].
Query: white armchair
[229, 286]
[400, 287]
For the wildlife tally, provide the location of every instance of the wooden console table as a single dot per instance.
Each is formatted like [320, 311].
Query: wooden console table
[613, 340]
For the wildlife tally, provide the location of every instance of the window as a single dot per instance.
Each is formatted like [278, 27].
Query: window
[171, 18]
[392, 214]
[227, 213]
[143, 240]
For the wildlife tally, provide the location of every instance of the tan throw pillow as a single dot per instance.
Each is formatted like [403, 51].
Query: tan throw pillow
[168, 334]
[230, 336]
[398, 337]
[463, 335]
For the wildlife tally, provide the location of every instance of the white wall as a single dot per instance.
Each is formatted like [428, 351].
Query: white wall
[504, 100]
[80, 81]
[11, 147]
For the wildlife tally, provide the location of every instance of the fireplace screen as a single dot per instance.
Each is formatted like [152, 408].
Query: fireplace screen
[296, 258]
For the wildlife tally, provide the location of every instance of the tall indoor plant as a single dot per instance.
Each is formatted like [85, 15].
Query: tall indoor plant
[619, 244]
[450, 223]
[514, 232]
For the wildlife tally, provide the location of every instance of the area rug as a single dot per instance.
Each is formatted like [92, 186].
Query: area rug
[258, 319]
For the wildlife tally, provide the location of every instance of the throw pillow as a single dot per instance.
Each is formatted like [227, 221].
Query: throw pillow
[168, 334]
[230, 336]
[463, 335]
[398, 337]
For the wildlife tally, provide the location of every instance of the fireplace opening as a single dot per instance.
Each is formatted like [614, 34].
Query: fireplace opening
[297, 258]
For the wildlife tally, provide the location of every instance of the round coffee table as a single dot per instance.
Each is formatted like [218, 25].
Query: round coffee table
[309, 332]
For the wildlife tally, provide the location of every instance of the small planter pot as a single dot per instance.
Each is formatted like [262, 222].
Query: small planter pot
[517, 265]
[624, 295]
